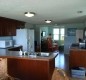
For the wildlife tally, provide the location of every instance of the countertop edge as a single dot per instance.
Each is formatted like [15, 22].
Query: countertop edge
[14, 54]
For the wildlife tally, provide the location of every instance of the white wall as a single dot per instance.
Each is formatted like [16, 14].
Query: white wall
[79, 34]
[27, 25]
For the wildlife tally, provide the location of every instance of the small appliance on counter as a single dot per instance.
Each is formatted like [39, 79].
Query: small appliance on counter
[82, 45]
[6, 43]
[85, 42]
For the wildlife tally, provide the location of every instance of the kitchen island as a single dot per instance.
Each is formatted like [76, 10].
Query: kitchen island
[77, 58]
[28, 67]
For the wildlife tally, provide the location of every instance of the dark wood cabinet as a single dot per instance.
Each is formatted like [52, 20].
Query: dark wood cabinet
[8, 26]
[8, 31]
[77, 58]
[30, 69]
[11, 31]
[1, 31]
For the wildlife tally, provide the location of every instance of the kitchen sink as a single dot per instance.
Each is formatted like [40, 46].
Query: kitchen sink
[43, 54]
[40, 54]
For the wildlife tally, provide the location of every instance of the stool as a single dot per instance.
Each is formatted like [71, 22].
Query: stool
[59, 74]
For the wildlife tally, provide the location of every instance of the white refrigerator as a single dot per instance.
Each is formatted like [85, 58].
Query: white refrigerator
[25, 37]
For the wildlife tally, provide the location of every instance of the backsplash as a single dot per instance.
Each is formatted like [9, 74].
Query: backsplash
[6, 38]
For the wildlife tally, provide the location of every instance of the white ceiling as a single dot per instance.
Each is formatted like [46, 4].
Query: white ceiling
[59, 11]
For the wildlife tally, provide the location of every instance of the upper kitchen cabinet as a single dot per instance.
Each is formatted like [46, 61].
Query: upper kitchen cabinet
[8, 26]
[10, 31]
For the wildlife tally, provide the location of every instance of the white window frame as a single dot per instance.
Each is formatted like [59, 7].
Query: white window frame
[59, 34]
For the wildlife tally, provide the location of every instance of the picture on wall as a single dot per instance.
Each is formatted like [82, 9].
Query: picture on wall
[71, 31]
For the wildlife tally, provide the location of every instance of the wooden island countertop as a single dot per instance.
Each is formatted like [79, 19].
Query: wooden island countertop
[29, 67]
[77, 58]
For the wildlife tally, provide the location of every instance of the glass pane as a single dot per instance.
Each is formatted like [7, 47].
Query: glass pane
[56, 37]
[56, 31]
[62, 30]
[62, 37]
[44, 33]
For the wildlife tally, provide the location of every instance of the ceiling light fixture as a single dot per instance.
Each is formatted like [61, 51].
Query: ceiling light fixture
[48, 21]
[29, 14]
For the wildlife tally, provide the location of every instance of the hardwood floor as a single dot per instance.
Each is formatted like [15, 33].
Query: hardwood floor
[62, 62]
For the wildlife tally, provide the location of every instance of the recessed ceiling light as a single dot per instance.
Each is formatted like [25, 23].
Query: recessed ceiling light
[29, 14]
[79, 11]
[48, 21]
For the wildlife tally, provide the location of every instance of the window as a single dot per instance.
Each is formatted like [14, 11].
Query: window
[58, 33]
[62, 34]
